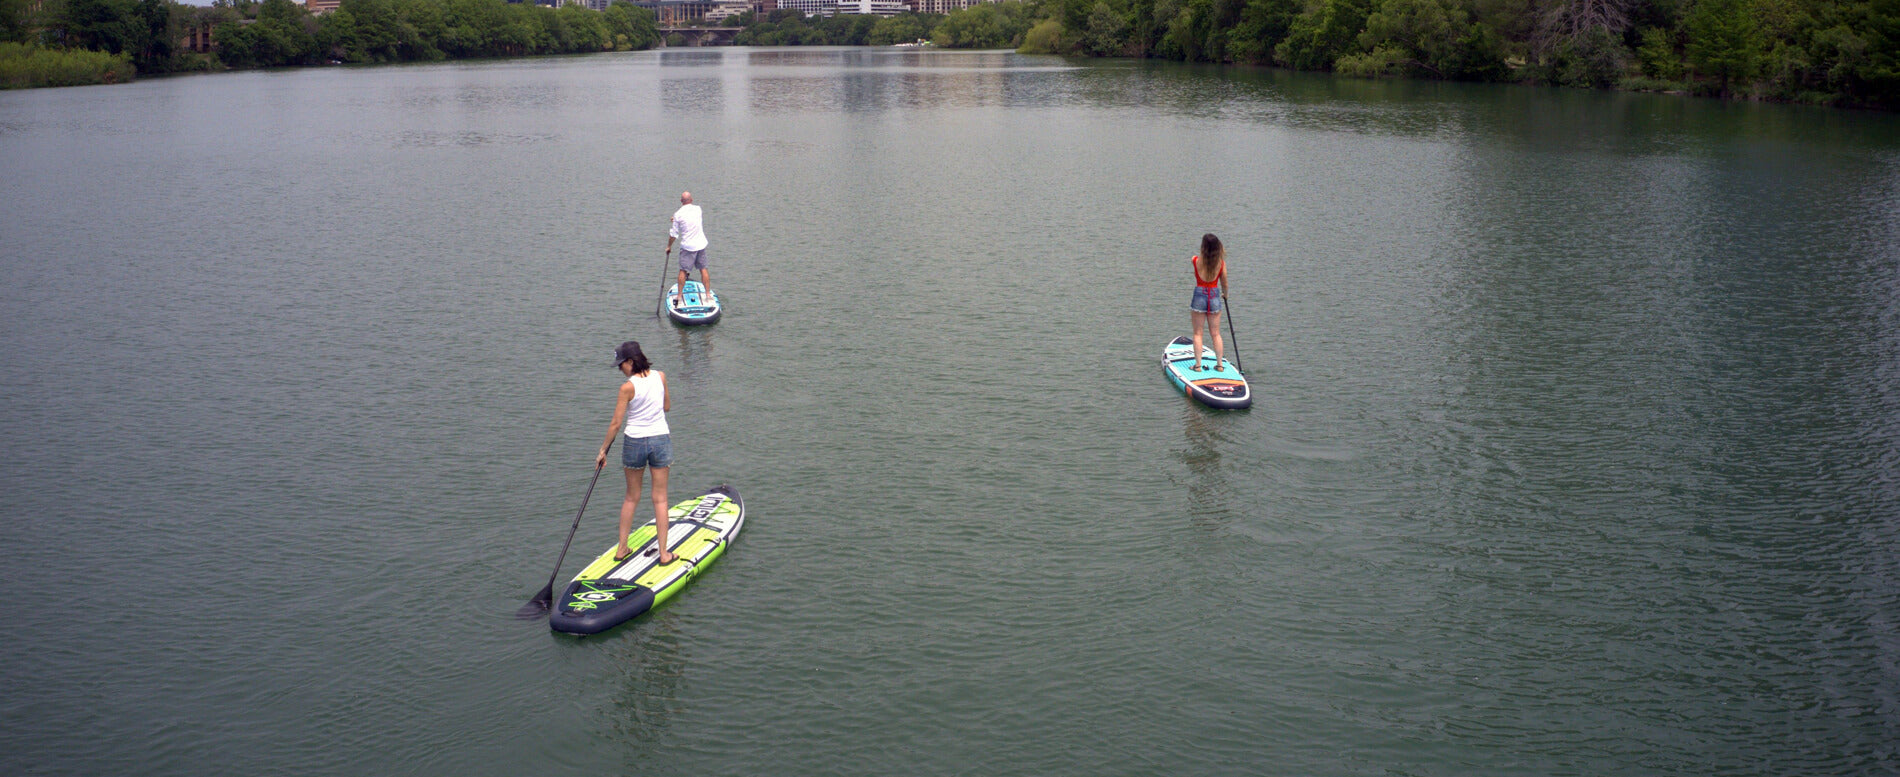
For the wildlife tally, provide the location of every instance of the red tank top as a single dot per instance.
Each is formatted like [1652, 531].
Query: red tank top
[1195, 262]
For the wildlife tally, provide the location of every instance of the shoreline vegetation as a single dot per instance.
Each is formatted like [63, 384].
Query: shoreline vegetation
[1842, 53]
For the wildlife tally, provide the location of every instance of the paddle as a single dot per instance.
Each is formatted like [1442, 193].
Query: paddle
[1232, 341]
[539, 605]
[660, 309]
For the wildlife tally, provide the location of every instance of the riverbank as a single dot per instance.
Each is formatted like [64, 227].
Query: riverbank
[26, 66]
[1844, 54]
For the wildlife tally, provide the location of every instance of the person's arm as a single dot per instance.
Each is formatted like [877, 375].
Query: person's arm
[613, 427]
[666, 395]
[1223, 279]
[672, 233]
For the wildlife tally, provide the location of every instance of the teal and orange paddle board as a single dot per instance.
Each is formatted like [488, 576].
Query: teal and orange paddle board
[1218, 384]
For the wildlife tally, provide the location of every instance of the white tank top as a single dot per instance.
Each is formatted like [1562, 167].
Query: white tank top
[646, 414]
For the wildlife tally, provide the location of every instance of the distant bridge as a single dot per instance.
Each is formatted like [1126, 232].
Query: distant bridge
[702, 36]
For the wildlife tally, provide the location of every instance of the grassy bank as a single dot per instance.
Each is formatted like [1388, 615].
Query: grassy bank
[24, 66]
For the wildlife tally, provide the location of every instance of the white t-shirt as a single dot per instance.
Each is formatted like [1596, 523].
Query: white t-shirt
[686, 227]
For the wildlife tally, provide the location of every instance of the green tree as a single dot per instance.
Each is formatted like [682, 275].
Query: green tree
[1657, 56]
[15, 21]
[101, 25]
[1108, 32]
[1723, 41]
[986, 26]
[1044, 38]
[1325, 31]
[1262, 25]
[902, 28]
[1875, 76]
[1432, 38]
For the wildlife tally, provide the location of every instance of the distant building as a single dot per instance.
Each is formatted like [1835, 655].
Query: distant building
[874, 7]
[943, 6]
[726, 9]
[672, 13]
[321, 6]
[811, 7]
[197, 37]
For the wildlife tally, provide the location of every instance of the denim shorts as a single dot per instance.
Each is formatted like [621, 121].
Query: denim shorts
[1205, 300]
[692, 260]
[643, 452]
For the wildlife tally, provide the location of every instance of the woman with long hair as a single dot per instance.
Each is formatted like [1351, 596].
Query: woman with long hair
[1210, 287]
[640, 416]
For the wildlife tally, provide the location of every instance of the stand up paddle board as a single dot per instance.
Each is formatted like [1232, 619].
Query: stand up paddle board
[695, 306]
[608, 593]
[1223, 388]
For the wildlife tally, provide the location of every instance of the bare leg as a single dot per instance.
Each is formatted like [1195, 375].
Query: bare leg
[659, 509]
[680, 285]
[705, 282]
[634, 477]
[1197, 319]
[1220, 350]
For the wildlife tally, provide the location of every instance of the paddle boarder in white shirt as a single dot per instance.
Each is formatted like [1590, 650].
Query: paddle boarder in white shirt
[689, 230]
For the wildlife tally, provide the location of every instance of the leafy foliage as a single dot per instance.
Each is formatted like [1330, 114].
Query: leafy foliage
[1844, 52]
[25, 65]
[1832, 51]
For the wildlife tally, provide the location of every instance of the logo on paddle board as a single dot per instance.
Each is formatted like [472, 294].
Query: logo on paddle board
[595, 596]
[705, 508]
[1220, 387]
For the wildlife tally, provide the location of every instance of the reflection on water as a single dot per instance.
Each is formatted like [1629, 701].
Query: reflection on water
[652, 662]
[696, 349]
[690, 57]
[1209, 491]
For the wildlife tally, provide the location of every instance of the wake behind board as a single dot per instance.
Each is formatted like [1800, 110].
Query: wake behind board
[1223, 388]
[608, 593]
[694, 306]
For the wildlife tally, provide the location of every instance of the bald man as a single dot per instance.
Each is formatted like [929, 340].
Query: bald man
[692, 236]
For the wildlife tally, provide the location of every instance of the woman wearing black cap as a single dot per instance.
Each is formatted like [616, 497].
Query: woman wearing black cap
[642, 407]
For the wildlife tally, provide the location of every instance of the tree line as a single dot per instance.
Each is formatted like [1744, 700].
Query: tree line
[1823, 51]
[148, 34]
[1836, 52]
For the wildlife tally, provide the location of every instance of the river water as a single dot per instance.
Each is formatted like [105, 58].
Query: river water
[1576, 447]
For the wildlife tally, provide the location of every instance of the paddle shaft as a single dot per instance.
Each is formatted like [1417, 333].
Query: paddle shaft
[541, 600]
[660, 309]
[1232, 341]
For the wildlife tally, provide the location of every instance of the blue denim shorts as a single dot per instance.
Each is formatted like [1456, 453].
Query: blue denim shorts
[642, 452]
[1205, 300]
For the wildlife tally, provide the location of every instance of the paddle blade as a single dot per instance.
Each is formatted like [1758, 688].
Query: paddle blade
[537, 607]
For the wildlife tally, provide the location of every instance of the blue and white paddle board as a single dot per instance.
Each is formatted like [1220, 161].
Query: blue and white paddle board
[693, 307]
[1217, 385]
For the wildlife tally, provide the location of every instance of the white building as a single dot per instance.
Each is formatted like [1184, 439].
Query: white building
[943, 6]
[874, 7]
[727, 9]
[811, 7]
